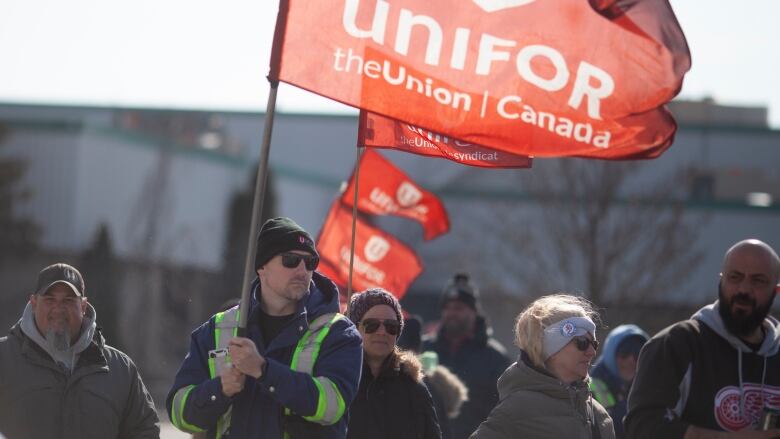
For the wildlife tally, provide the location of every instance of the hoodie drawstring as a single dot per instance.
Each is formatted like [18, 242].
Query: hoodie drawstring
[763, 379]
[741, 389]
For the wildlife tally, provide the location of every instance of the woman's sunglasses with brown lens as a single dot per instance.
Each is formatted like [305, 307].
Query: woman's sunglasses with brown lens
[392, 327]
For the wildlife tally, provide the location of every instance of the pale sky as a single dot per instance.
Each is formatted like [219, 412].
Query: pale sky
[199, 54]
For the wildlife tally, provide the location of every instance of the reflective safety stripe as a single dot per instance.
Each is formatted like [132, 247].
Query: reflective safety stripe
[601, 393]
[308, 348]
[223, 423]
[177, 411]
[330, 407]
[225, 328]
[330, 403]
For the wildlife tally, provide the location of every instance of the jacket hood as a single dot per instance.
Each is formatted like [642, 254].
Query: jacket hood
[451, 389]
[710, 316]
[612, 342]
[524, 376]
[69, 357]
[322, 297]
[407, 362]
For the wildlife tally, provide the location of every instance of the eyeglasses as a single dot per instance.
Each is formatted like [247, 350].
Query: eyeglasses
[292, 260]
[392, 327]
[582, 343]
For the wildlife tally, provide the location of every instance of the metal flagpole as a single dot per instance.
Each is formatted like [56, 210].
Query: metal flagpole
[354, 224]
[257, 208]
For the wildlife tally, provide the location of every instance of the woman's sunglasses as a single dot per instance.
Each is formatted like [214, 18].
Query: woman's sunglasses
[392, 327]
[292, 260]
[582, 343]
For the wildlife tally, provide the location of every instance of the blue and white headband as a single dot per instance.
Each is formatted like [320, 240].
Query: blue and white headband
[560, 333]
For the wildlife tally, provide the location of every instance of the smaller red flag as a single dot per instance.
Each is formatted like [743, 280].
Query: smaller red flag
[386, 190]
[375, 131]
[380, 260]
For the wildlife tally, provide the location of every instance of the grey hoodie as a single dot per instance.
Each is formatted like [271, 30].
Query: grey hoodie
[711, 317]
[67, 358]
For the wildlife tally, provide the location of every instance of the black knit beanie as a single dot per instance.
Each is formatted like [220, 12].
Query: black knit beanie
[362, 302]
[461, 289]
[280, 235]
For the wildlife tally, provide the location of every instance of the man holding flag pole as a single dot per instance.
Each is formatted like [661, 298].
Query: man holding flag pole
[297, 368]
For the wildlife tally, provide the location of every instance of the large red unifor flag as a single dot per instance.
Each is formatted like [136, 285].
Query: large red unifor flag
[375, 131]
[386, 190]
[381, 260]
[545, 78]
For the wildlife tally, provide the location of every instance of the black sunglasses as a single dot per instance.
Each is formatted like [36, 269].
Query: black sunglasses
[292, 260]
[392, 327]
[582, 343]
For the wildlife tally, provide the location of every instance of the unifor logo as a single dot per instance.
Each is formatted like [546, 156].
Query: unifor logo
[408, 195]
[729, 404]
[376, 248]
[499, 5]
[568, 329]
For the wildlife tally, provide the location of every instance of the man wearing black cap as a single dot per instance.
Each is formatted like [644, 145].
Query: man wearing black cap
[58, 378]
[465, 346]
[297, 369]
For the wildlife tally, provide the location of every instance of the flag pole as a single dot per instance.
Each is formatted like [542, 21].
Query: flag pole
[257, 207]
[354, 224]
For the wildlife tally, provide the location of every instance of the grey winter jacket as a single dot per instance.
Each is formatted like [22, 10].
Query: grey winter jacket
[103, 398]
[534, 404]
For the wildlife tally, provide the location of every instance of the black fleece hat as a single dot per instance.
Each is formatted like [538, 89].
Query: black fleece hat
[461, 289]
[280, 235]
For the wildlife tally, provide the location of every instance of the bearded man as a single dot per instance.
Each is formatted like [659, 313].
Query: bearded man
[714, 375]
[59, 378]
[465, 345]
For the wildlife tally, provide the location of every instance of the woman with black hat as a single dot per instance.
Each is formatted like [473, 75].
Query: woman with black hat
[392, 401]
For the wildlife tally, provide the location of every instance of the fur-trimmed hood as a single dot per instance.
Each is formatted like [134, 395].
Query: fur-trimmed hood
[451, 390]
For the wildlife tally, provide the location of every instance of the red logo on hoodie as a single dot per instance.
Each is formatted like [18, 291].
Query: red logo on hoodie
[729, 405]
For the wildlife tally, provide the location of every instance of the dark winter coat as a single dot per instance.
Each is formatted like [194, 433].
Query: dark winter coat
[103, 398]
[258, 410]
[535, 404]
[394, 405]
[479, 362]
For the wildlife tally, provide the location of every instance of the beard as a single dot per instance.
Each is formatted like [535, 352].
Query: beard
[742, 325]
[59, 340]
[456, 327]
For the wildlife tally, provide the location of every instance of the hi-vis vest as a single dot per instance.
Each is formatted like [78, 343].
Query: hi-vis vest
[330, 406]
[602, 393]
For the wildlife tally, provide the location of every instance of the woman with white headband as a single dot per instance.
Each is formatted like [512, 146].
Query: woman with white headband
[545, 393]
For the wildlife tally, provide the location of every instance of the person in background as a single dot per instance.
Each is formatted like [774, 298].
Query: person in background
[545, 395]
[614, 371]
[59, 378]
[448, 391]
[465, 346]
[714, 375]
[392, 401]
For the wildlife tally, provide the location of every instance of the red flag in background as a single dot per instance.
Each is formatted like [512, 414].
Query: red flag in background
[386, 190]
[543, 78]
[375, 131]
[381, 260]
